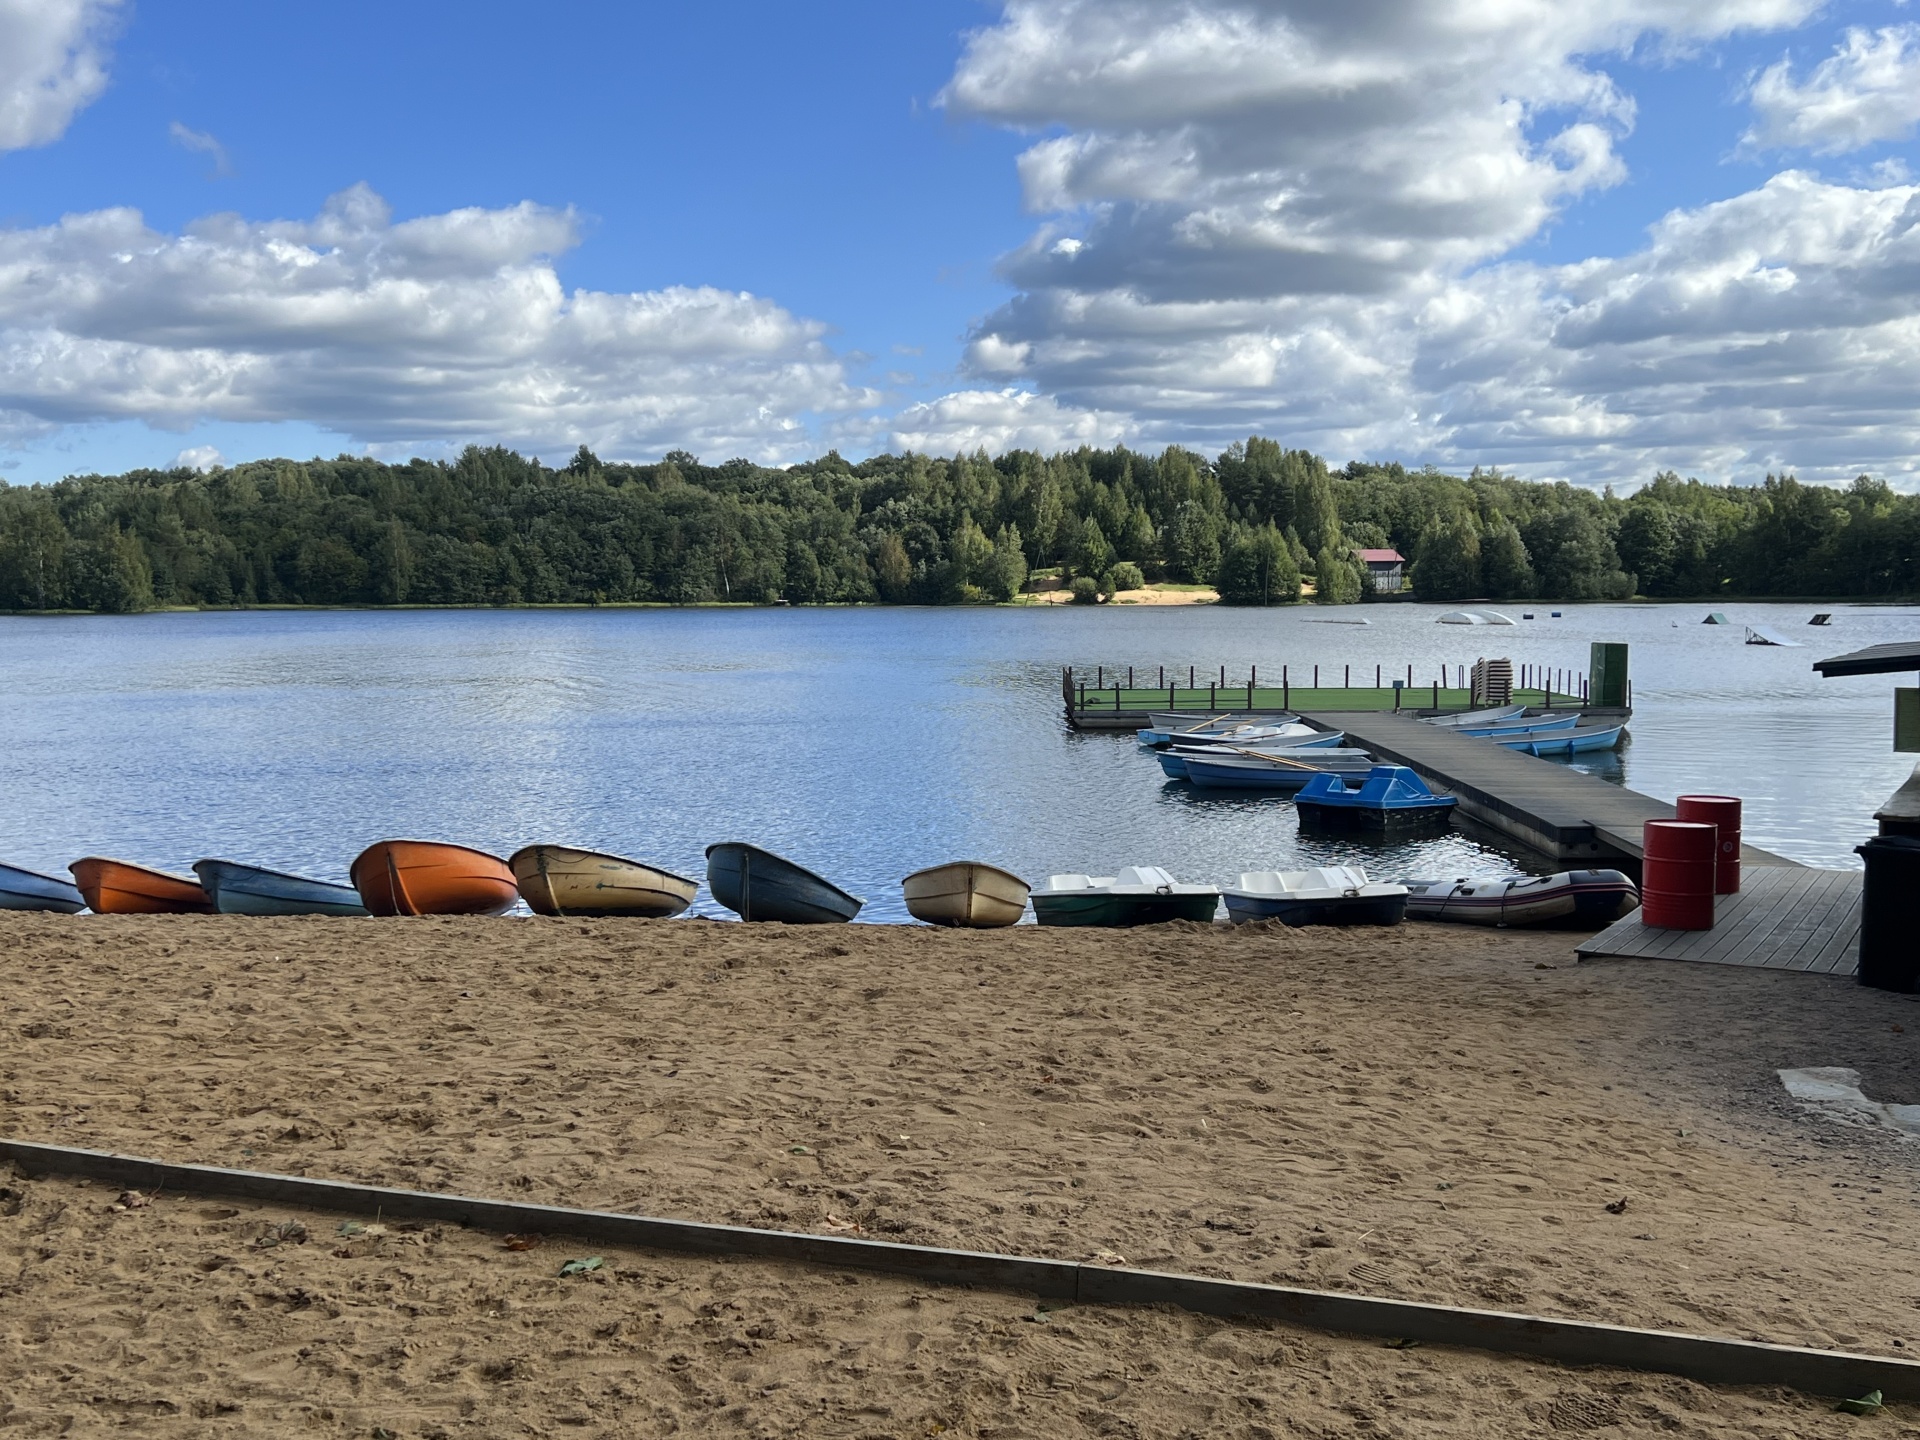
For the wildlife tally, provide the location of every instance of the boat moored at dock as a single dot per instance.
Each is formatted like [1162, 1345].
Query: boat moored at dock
[1137, 895]
[757, 884]
[1476, 717]
[1391, 802]
[1286, 773]
[119, 887]
[969, 894]
[250, 890]
[563, 880]
[1579, 899]
[30, 890]
[1328, 895]
[432, 877]
[1579, 741]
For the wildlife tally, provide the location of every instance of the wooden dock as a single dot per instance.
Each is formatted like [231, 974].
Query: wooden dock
[1559, 813]
[1782, 919]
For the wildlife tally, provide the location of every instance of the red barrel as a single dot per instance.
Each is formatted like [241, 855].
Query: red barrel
[1677, 874]
[1723, 811]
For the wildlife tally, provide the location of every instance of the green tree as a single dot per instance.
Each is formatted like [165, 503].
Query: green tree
[109, 575]
[1504, 566]
[1446, 563]
[1091, 552]
[1336, 578]
[1008, 572]
[893, 571]
[1258, 569]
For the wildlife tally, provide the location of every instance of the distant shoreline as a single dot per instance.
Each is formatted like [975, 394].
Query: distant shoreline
[1202, 597]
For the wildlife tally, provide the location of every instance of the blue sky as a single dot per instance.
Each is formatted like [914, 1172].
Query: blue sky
[1413, 230]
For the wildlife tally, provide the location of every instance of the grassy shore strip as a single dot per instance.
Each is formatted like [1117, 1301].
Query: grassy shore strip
[1708, 1359]
[1225, 699]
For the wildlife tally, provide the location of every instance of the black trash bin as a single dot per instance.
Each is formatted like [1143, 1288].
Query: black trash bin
[1890, 914]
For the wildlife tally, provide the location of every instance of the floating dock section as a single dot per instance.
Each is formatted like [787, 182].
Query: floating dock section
[1558, 813]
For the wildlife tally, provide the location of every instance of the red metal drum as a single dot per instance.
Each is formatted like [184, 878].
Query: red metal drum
[1723, 811]
[1677, 874]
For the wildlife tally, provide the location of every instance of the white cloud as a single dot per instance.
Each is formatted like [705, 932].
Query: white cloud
[203, 143]
[199, 457]
[1292, 218]
[1000, 420]
[450, 327]
[52, 65]
[1867, 90]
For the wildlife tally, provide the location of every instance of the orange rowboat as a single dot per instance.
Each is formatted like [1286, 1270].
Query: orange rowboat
[426, 877]
[114, 887]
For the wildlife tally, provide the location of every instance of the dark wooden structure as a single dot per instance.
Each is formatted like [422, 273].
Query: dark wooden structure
[1782, 919]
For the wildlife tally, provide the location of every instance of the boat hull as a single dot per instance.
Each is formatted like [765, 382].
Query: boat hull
[1336, 910]
[30, 890]
[969, 894]
[1571, 899]
[115, 887]
[1210, 775]
[249, 890]
[1575, 742]
[430, 877]
[1120, 912]
[1414, 822]
[560, 880]
[757, 884]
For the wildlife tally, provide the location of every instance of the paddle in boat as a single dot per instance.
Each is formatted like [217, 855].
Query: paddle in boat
[116, 887]
[431, 877]
[249, 890]
[1577, 899]
[30, 890]
[560, 880]
[1329, 895]
[1173, 762]
[1390, 803]
[757, 884]
[1292, 730]
[967, 893]
[1138, 895]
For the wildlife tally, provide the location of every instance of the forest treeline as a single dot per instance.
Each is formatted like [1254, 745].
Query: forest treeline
[495, 527]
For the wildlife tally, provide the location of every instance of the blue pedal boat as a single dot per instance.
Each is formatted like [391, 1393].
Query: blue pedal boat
[249, 890]
[30, 890]
[1391, 803]
[757, 884]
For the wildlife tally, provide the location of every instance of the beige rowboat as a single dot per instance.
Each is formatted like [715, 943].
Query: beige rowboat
[559, 880]
[965, 892]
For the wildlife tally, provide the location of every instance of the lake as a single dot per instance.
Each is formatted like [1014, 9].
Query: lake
[862, 742]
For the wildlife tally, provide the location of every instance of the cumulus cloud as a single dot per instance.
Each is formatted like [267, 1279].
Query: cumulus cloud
[52, 65]
[199, 457]
[1293, 218]
[1000, 420]
[449, 327]
[1867, 90]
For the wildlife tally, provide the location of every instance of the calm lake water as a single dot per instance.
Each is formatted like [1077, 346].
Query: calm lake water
[864, 743]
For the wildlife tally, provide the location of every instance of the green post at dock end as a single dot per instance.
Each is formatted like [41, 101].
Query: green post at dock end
[1607, 675]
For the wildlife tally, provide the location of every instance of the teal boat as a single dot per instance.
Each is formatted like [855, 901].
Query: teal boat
[1138, 895]
[249, 890]
[30, 890]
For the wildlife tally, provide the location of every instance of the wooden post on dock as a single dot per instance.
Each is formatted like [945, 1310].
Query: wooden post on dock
[1286, 694]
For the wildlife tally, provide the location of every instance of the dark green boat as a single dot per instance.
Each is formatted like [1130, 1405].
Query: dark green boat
[1138, 895]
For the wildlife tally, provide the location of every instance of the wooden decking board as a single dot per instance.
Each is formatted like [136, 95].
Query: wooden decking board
[1804, 934]
[1759, 923]
[1573, 808]
[1784, 919]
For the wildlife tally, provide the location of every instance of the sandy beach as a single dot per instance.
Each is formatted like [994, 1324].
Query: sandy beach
[1424, 1112]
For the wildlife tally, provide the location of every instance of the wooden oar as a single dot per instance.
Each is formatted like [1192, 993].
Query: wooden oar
[1204, 723]
[1262, 755]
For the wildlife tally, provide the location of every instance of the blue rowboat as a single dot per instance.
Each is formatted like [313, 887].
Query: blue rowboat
[1520, 726]
[1330, 895]
[30, 890]
[1476, 717]
[1289, 731]
[1392, 803]
[1173, 763]
[1277, 745]
[249, 890]
[1285, 774]
[757, 884]
[1568, 742]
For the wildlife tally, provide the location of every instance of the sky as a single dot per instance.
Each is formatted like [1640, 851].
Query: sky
[1582, 242]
